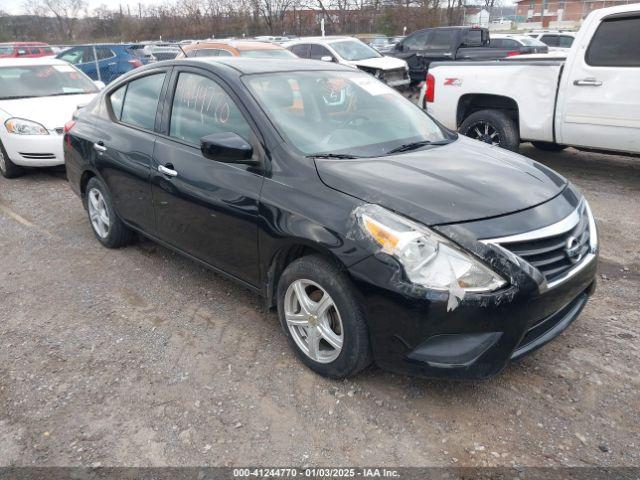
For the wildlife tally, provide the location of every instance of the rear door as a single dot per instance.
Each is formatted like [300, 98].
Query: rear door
[207, 209]
[599, 102]
[124, 145]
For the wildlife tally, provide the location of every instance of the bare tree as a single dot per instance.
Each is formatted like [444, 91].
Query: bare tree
[66, 13]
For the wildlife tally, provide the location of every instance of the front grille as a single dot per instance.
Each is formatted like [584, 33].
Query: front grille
[395, 75]
[555, 254]
[38, 156]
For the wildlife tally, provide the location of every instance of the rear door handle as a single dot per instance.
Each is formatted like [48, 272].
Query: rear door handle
[99, 147]
[587, 82]
[169, 172]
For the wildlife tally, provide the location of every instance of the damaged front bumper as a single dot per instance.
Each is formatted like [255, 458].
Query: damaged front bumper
[413, 331]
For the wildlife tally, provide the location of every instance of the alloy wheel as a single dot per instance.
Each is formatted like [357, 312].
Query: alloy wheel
[485, 132]
[313, 321]
[98, 213]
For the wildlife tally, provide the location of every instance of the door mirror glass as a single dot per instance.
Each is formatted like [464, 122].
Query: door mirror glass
[226, 147]
[326, 58]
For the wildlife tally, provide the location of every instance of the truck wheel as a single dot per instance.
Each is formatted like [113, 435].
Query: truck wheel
[493, 127]
[548, 146]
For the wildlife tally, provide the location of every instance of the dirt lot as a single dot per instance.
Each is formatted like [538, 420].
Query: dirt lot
[140, 357]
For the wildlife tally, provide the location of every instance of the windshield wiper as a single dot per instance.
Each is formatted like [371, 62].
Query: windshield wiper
[343, 156]
[415, 145]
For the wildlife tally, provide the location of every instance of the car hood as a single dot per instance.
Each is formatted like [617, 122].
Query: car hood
[52, 112]
[382, 63]
[462, 181]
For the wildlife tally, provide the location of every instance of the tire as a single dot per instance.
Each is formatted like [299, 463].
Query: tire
[115, 233]
[548, 146]
[317, 277]
[8, 169]
[493, 127]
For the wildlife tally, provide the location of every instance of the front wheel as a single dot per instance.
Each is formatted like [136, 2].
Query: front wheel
[548, 146]
[8, 169]
[322, 318]
[494, 127]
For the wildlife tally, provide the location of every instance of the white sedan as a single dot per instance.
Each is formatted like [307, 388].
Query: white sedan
[37, 97]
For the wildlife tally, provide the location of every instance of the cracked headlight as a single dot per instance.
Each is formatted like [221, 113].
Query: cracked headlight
[427, 258]
[21, 126]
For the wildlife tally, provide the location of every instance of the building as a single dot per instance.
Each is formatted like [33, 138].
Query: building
[552, 13]
[475, 16]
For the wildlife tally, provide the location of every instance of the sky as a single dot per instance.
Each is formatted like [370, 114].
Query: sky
[15, 6]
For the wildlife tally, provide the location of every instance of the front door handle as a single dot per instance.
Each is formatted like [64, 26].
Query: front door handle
[169, 172]
[99, 147]
[587, 82]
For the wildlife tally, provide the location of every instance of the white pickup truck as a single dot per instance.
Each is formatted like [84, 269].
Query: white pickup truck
[590, 100]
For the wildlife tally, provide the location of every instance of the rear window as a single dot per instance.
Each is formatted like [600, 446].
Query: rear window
[616, 43]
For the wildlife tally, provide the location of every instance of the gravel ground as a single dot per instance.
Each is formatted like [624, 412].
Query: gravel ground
[140, 357]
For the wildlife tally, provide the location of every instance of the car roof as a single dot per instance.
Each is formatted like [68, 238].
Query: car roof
[19, 62]
[329, 39]
[250, 66]
[241, 45]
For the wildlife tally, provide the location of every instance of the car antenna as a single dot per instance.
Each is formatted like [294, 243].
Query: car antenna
[182, 50]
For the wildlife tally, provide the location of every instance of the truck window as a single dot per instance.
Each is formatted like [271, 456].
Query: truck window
[615, 43]
[417, 41]
[473, 38]
[440, 40]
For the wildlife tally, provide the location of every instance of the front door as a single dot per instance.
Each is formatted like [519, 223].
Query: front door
[206, 208]
[599, 102]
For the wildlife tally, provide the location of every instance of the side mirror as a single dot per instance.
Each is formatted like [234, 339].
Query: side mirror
[99, 84]
[227, 147]
[327, 58]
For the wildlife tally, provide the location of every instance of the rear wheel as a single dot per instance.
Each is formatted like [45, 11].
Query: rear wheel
[8, 169]
[107, 227]
[548, 146]
[494, 127]
[322, 317]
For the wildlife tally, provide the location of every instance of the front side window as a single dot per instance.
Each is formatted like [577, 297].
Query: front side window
[318, 51]
[141, 101]
[616, 43]
[201, 107]
[417, 41]
[30, 81]
[73, 56]
[565, 41]
[550, 40]
[104, 53]
[354, 50]
[340, 112]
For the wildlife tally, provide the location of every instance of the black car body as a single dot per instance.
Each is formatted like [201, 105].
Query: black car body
[423, 47]
[253, 218]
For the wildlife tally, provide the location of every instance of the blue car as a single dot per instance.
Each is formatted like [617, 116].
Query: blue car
[104, 62]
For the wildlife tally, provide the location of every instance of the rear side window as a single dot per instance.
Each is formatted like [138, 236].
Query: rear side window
[301, 50]
[104, 53]
[207, 52]
[565, 41]
[616, 43]
[440, 40]
[117, 100]
[551, 40]
[141, 101]
[318, 51]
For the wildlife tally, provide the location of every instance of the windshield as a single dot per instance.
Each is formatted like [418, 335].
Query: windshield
[42, 81]
[353, 50]
[267, 53]
[337, 112]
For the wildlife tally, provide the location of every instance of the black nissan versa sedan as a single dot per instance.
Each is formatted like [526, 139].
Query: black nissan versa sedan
[378, 234]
